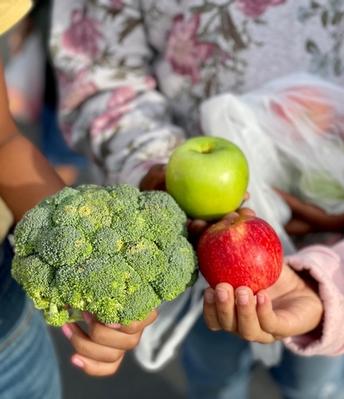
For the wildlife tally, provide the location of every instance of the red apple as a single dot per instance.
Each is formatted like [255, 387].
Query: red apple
[242, 252]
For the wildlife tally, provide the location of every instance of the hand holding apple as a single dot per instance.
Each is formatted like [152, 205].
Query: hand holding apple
[289, 307]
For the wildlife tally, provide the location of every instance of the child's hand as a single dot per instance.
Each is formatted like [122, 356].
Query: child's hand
[100, 351]
[287, 308]
[154, 179]
[308, 218]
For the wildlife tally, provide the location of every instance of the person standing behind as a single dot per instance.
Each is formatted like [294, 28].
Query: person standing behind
[132, 75]
[28, 366]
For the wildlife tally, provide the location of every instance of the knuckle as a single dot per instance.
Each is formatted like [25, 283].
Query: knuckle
[101, 369]
[81, 346]
[249, 337]
[228, 327]
[132, 341]
[114, 356]
[268, 328]
[97, 334]
[133, 328]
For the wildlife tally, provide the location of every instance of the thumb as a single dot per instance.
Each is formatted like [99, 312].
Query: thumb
[266, 315]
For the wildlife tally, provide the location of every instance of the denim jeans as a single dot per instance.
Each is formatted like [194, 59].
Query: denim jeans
[28, 366]
[218, 366]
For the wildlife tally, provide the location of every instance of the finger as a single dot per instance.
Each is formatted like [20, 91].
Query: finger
[247, 319]
[118, 336]
[86, 347]
[298, 227]
[96, 368]
[246, 212]
[231, 217]
[266, 315]
[154, 179]
[113, 338]
[138, 326]
[311, 213]
[245, 198]
[225, 306]
[197, 226]
[209, 310]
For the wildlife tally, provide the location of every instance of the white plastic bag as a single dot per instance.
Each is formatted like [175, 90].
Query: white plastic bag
[292, 132]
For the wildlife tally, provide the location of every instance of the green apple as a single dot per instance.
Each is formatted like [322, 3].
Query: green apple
[207, 176]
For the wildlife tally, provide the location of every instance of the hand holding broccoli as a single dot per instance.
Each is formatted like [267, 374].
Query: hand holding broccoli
[100, 350]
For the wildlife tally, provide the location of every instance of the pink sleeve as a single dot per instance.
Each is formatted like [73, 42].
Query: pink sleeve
[326, 266]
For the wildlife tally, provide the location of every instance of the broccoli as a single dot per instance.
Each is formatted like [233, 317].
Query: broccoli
[113, 251]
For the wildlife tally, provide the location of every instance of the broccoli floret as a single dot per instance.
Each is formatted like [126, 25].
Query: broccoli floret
[130, 224]
[146, 259]
[30, 228]
[36, 277]
[60, 196]
[164, 219]
[63, 245]
[56, 316]
[89, 211]
[173, 282]
[111, 251]
[107, 241]
[123, 197]
[139, 304]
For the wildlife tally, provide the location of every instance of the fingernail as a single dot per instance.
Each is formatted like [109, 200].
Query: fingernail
[242, 297]
[222, 295]
[260, 299]
[67, 331]
[77, 362]
[87, 317]
[115, 326]
[209, 296]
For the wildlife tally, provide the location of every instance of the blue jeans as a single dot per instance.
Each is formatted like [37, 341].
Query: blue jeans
[218, 366]
[28, 366]
[53, 145]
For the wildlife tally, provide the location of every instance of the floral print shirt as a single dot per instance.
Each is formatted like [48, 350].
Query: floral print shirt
[132, 73]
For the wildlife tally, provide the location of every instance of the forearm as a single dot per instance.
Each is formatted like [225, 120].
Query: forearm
[25, 175]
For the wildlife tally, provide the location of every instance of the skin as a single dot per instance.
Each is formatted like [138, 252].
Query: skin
[289, 307]
[308, 218]
[26, 178]
[100, 350]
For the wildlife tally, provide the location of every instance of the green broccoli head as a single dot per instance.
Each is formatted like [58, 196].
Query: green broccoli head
[112, 251]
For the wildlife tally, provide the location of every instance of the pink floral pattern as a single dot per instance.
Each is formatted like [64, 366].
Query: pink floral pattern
[256, 8]
[184, 51]
[83, 37]
[155, 62]
[116, 4]
[117, 106]
[74, 90]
